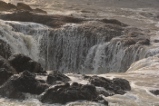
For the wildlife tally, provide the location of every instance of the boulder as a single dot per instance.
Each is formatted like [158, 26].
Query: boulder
[115, 86]
[56, 77]
[5, 50]
[10, 91]
[38, 10]
[155, 92]
[68, 93]
[24, 82]
[22, 6]
[113, 21]
[21, 62]
[6, 65]
[6, 6]
[4, 75]
[54, 21]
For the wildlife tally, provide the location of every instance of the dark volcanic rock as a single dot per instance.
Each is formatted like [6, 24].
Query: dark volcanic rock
[20, 6]
[115, 86]
[57, 76]
[6, 6]
[155, 92]
[6, 65]
[9, 90]
[38, 10]
[4, 75]
[25, 82]
[113, 21]
[23, 7]
[50, 20]
[68, 93]
[21, 62]
[5, 50]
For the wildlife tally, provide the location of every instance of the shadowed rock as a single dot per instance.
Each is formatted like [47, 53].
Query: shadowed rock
[21, 62]
[23, 7]
[6, 6]
[51, 20]
[25, 82]
[69, 93]
[113, 21]
[4, 75]
[6, 65]
[10, 91]
[155, 92]
[115, 86]
[57, 76]
[20, 6]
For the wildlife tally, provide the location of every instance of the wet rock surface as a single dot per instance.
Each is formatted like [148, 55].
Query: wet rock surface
[114, 86]
[25, 82]
[21, 63]
[69, 93]
[20, 6]
[56, 77]
[54, 21]
[155, 92]
[4, 64]
[10, 91]
[6, 6]
[4, 75]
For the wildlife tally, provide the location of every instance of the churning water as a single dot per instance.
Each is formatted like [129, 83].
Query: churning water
[92, 47]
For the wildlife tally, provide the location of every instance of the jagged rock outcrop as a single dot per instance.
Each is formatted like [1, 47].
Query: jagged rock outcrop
[6, 6]
[4, 75]
[21, 63]
[25, 82]
[155, 92]
[68, 93]
[23, 7]
[56, 77]
[114, 86]
[54, 21]
[19, 7]
[6, 65]
[9, 90]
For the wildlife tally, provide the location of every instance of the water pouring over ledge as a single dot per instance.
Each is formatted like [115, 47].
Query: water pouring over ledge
[140, 94]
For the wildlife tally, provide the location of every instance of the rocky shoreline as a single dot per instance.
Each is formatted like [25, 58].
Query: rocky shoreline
[57, 88]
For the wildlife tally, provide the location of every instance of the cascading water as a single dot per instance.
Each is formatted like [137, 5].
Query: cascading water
[23, 37]
[91, 47]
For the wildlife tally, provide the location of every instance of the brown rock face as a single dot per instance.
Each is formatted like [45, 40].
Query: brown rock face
[6, 65]
[20, 6]
[54, 21]
[6, 6]
[23, 7]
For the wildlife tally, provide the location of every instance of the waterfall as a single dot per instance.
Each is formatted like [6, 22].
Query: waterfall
[89, 47]
[68, 46]
[23, 37]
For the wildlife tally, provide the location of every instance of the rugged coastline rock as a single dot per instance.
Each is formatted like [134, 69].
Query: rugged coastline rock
[20, 6]
[114, 86]
[6, 6]
[25, 82]
[68, 93]
[56, 77]
[4, 75]
[21, 63]
[54, 21]
[4, 64]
